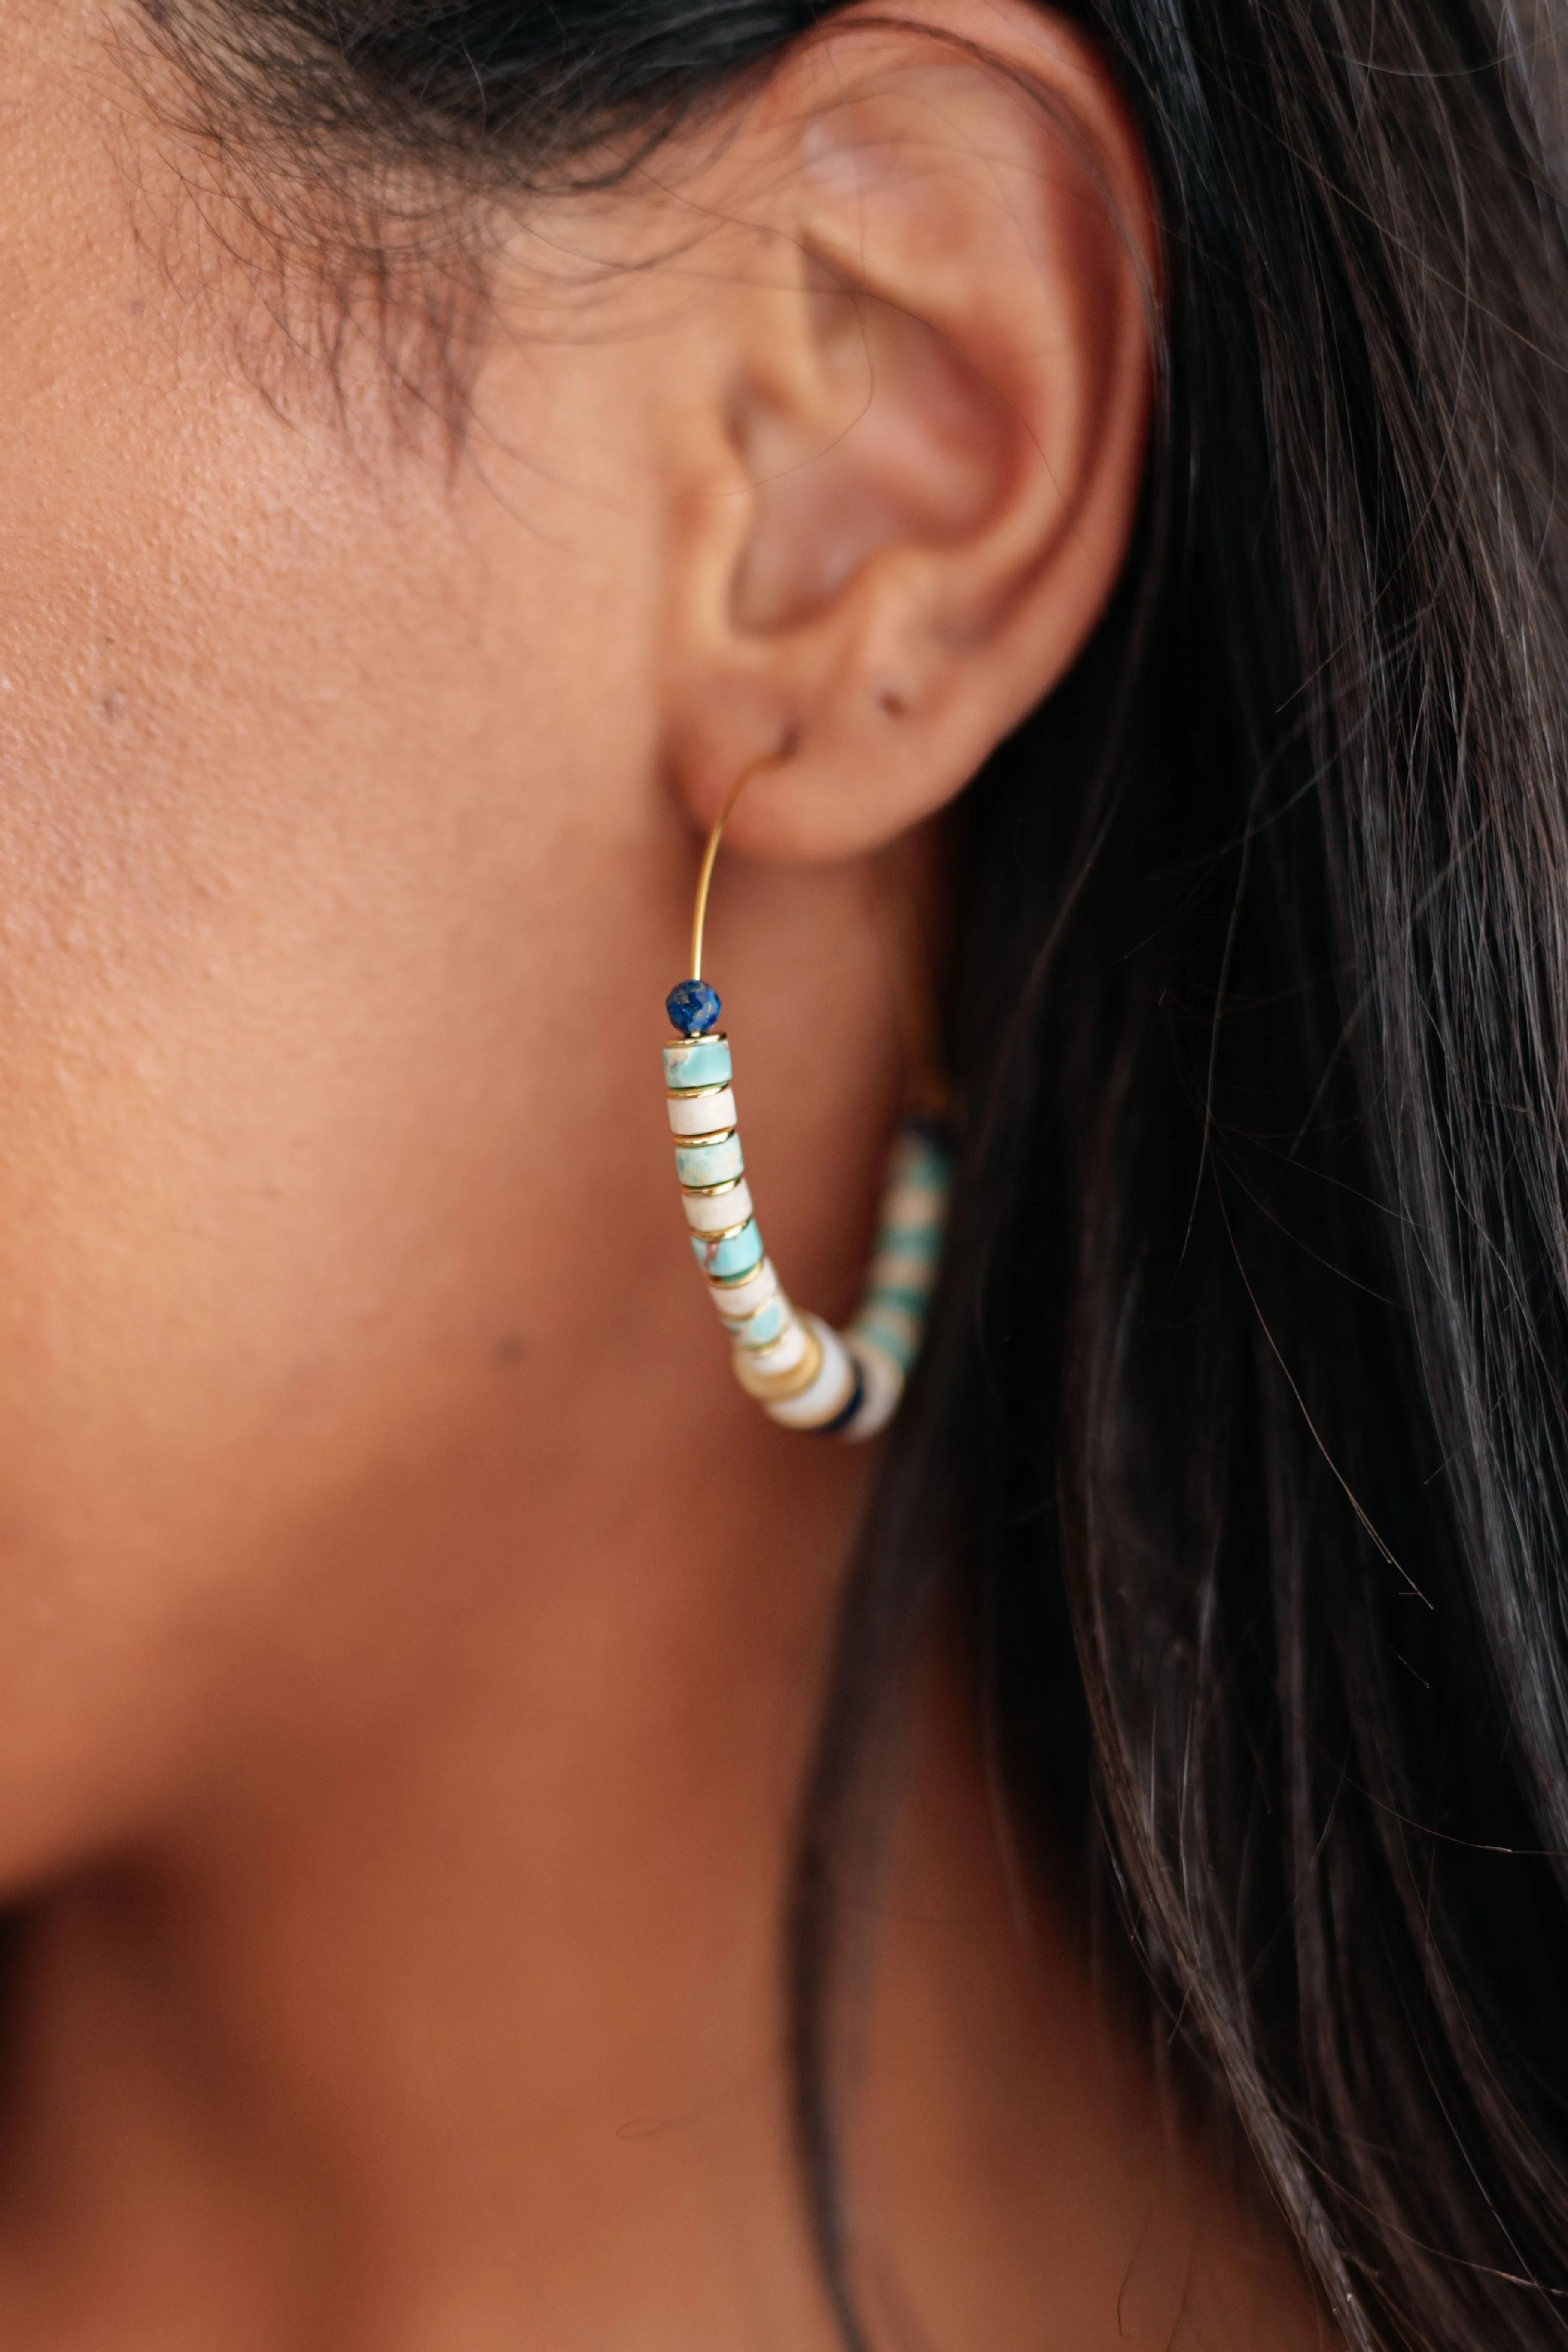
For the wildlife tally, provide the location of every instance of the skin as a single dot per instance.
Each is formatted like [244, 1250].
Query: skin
[410, 1635]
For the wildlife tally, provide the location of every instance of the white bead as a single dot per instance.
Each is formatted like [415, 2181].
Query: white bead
[919, 1208]
[702, 1114]
[738, 1298]
[829, 1392]
[715, 1213]
[881, 1387]
[894, 1269]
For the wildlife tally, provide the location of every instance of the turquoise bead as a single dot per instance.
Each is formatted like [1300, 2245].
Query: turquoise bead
[709, 1163]
[760, 1329]
[897, 1336]
[912, 1240]
[897, 1295]
[697, 1062]
[728, 1260]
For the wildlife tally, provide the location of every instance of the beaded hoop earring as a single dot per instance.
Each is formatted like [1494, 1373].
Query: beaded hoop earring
[803, 1373]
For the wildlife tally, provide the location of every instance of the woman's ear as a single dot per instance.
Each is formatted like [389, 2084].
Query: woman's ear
[913, 424]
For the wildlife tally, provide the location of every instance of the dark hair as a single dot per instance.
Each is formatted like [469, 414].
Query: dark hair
[1241, 1440]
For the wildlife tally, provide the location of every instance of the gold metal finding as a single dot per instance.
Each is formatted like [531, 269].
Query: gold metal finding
[779, 1387]
[711, 856]
[908, 955]
[720, 1283]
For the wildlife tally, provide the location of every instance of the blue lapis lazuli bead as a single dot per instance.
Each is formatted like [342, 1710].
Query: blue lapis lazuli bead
[692, 1007]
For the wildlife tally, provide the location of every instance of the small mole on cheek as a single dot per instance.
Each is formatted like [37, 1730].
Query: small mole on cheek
[136, 309]
[114, 705]
[508, 1348]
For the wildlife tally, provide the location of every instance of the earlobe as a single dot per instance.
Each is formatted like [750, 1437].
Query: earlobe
[934, 419]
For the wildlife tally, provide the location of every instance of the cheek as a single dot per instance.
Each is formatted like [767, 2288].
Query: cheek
[325, 934]
[294, 1239]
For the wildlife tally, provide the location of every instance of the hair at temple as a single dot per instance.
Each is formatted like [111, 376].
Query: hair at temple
[1240, 1452]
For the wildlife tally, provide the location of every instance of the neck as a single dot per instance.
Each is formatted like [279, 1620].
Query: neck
[477, 1985]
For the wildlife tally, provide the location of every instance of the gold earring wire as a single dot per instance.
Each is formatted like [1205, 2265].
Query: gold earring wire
[907, 955]
[710, 857]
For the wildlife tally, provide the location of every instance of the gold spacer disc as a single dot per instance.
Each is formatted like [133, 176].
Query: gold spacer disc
[777, 1387]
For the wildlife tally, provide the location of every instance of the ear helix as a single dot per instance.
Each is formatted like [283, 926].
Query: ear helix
[803, 1373]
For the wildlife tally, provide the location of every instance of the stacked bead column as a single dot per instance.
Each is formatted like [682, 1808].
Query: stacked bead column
[885, 1335]
[797, 1366]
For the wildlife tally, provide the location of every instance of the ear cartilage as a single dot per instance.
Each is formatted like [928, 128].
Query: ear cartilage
[805, 1374]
